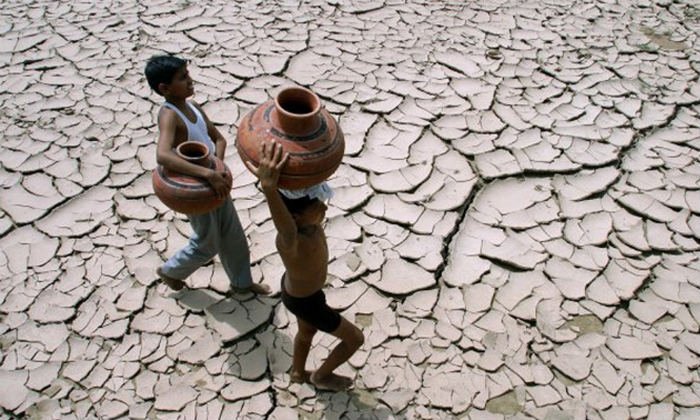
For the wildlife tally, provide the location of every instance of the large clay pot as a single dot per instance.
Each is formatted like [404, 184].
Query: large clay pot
[296, 120]
[184, 193]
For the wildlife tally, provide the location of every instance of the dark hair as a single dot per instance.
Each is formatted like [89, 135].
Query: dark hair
[162, 69]
[297, 205]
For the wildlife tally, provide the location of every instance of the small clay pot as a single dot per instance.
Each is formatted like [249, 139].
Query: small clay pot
[184, 193]
[194, 152]
[296, 120]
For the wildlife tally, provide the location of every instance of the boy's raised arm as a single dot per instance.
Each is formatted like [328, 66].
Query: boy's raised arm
[272, 160]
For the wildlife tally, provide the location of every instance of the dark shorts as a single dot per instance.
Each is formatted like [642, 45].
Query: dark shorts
[312, 309]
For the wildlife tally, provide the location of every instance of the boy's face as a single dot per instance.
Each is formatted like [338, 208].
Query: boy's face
[181, 86]
[313, 214]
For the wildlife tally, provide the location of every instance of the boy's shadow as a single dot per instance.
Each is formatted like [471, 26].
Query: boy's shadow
[362, 404]
[232, 317]
[245, 316]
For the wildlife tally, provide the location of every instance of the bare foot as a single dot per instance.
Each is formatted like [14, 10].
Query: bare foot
[258, 289]
[331, 382]
[172, 283]
[300, 378]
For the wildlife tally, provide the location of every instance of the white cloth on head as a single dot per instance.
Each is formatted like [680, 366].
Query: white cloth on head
[322, 191]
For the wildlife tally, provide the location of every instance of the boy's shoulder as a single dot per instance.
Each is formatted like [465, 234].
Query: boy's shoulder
[167, 116]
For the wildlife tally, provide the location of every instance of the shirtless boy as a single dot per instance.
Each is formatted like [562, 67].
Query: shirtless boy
[301, 242]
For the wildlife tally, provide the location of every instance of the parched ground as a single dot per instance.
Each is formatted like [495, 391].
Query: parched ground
[516, 223]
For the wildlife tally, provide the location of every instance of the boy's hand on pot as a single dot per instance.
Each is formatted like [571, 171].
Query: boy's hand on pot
[272, 160]
[220, 182]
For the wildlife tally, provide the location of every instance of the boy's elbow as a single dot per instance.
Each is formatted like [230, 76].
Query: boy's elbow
[161, 159]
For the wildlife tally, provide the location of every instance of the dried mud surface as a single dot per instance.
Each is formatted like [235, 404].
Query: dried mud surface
[516, 223]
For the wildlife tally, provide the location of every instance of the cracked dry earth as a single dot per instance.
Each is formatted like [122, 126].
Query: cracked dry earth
[515, 228]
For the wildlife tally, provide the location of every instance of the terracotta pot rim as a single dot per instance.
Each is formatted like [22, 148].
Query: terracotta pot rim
[193, 144]
[311, 94]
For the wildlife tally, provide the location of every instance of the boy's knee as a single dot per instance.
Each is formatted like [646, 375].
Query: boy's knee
[356, 339]
[209, 250]
[303, 339]
[205, 251]
[305, 334]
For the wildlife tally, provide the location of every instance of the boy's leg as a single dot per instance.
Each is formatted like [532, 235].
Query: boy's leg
[351, 339]
[232, 245]
[302, 345]
[200, 248]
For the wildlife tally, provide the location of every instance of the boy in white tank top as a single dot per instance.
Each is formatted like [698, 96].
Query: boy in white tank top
[219, 231]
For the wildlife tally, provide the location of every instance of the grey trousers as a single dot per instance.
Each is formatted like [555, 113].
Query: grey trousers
[217, 232]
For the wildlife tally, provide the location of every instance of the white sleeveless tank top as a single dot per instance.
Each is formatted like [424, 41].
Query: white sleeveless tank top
[196, 131]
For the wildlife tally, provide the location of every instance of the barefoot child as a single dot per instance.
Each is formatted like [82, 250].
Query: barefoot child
[219, 231]
[301, 243]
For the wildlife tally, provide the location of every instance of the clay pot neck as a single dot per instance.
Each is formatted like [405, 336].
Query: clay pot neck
[193, 152]
[297, 111]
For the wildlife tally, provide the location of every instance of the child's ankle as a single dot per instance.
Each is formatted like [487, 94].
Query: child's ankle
[299, 376]
[317, 376]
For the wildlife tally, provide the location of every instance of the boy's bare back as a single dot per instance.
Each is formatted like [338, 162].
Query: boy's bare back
[306, 264]
[300, 240]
